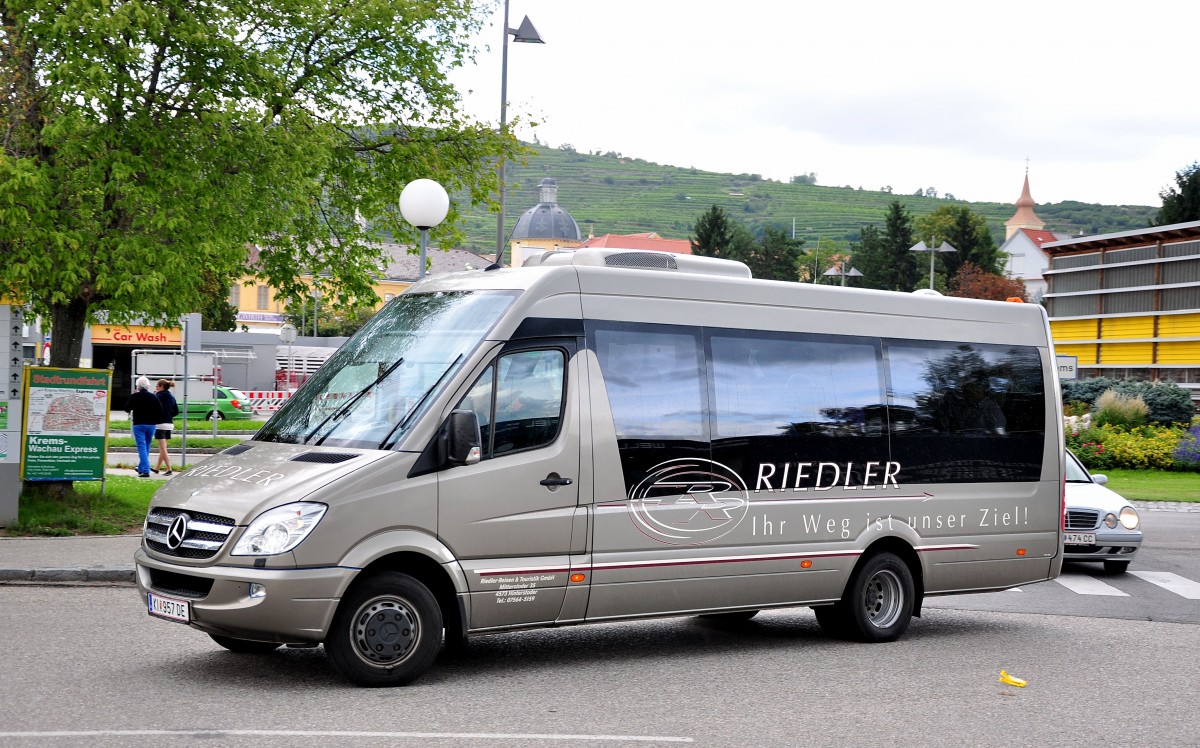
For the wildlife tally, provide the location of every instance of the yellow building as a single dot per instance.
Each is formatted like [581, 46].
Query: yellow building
[1127, 305]
[260, 310]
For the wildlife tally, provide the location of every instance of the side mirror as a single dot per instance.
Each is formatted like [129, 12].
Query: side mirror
[461, 440]
[1099, 479]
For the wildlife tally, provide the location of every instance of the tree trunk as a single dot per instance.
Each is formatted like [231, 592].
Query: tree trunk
[67, 324]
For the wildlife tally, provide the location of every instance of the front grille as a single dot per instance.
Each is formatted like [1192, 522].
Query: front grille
[205, 534]
[179, 585]
[1082, 519]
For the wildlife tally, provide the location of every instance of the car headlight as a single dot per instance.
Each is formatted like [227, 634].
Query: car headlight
[1129, 518]
[1110, 520]
[279, 530]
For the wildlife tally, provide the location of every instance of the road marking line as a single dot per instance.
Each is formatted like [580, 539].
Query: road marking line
[1082, 584]
[1014, 589]
[340, 734]
[1181, 586]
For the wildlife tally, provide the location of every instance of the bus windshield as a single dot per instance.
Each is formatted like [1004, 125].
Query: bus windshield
[371, 391]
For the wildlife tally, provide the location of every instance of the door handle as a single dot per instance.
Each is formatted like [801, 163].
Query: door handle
[553, 479]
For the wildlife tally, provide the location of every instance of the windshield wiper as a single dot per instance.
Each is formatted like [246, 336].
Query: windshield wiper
[386, 443]
[342, 411]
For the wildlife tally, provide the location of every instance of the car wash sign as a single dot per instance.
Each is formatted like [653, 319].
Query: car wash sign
[66, 426]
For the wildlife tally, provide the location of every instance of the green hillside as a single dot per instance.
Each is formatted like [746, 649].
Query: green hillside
[611, 194]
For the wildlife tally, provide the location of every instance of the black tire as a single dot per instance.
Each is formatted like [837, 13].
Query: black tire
[736, 616]
[386, 632]
[214, 415]
[245, 646]
[878, 602]
[1116, 567]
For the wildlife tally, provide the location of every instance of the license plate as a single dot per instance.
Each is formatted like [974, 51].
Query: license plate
[165, 607]
[1079, 538]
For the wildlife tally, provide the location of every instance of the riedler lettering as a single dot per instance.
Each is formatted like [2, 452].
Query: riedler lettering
[824, 476]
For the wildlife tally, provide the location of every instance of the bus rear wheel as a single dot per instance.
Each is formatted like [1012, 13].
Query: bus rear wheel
[877, 605]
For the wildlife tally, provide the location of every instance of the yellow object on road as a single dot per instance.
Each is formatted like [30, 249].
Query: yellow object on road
[1010, 680]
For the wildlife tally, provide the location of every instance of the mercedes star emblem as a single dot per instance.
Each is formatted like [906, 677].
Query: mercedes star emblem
[177, 531]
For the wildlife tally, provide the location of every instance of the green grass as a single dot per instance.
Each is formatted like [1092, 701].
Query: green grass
[82, 511]
[198, 426]
[1154, 485]
[196, 442]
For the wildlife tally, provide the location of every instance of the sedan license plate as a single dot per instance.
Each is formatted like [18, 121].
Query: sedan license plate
[165, 607]
[1079, 538]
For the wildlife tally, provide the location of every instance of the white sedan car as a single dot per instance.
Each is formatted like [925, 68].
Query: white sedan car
[1100, 524]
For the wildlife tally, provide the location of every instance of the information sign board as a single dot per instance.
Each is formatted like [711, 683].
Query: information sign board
[66, 424]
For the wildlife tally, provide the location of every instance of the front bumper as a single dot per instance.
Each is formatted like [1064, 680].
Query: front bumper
[298, 606]
[1111, 545]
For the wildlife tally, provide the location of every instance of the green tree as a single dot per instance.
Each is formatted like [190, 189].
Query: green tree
[712, 236]
[966, 231]
[883, 257]
[1182, 204]
[147, 144]
[775, 256]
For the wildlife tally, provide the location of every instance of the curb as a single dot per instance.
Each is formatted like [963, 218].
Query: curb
[123, 575]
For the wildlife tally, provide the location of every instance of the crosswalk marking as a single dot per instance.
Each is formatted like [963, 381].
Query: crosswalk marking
[1181, 586]
[1085, 585]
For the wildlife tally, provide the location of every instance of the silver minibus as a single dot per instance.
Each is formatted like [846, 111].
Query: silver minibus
[605, 435]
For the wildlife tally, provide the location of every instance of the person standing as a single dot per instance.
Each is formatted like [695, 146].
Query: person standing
[162, 432]
[146, 413]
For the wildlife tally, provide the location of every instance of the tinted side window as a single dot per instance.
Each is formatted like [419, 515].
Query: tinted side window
[789, 386]
[965, 412]
[653, 375]
[519, 401]
[798, 412]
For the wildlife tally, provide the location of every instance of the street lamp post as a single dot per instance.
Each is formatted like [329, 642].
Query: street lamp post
[527, 34]
[424, 203]
[920, 247]
[840, 269]
[316, 294]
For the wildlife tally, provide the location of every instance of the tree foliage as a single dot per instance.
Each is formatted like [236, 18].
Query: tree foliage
[1182, 202]
[966, 231]
[973, 282]
[883, 257]
[775, 255]
[1169, 403]
[148, 144]
[712, 235]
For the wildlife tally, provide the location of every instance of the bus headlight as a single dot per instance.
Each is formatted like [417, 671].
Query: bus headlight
[279, 530]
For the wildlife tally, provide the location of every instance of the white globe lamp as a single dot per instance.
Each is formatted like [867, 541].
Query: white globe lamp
[424, 203]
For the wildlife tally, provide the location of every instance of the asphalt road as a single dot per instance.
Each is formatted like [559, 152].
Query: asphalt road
[85, 665]
[1163, 583]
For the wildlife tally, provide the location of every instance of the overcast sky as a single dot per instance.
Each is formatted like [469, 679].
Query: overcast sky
[1100, 96]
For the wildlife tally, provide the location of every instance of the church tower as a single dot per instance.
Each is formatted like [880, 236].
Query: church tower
[1024, 218]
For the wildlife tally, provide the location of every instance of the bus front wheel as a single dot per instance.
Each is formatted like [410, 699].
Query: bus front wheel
[386, 632]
